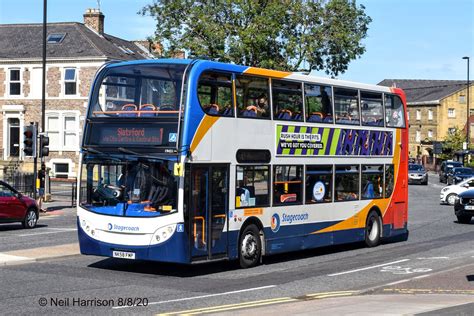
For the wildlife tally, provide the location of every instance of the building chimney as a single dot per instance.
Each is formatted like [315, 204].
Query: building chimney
[94, 19]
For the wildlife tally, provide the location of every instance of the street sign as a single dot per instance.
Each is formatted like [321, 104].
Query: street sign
[437, 148]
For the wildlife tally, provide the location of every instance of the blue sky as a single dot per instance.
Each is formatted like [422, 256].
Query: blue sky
[407, 39]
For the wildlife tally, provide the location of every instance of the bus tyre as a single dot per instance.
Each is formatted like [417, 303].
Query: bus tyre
[373, 229]
[250, 247]
[464, 219]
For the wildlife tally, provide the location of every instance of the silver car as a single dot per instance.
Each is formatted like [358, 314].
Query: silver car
[417, 174]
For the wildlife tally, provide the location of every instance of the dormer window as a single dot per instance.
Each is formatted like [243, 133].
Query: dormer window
[55, 38]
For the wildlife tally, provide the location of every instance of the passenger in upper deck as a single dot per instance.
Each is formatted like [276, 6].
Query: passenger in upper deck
[261, 105]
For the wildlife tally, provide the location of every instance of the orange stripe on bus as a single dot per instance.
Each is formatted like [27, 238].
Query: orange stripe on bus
[267, 73]
[202, 130]
[358, 220]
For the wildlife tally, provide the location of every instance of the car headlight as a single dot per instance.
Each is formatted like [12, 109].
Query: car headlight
[163, 234]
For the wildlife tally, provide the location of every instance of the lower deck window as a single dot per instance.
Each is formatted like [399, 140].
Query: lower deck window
[318, 184]
[287, 185]
[252, 187]
[372, 182]
[347, 183]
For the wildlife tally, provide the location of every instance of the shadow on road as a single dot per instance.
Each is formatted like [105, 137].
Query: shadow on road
[18, 226]
[206, 268]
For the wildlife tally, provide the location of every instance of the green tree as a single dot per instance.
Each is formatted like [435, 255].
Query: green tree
[291, 35]
[452, 143]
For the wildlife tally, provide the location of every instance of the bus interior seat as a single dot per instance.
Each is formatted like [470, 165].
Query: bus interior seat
[297, 116]
[249, 113]
[228, 111]
[328, 118]
[369, 190]
[148, 107]
[315, 117]
[129, 107]
[212, 109]
[284, 115]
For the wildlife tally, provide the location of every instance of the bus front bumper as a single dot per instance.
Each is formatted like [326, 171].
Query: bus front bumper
[175, 249]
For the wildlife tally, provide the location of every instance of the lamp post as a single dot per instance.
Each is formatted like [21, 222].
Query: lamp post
[468, 136]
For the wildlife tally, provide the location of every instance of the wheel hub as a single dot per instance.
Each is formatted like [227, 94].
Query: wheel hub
[249, 246]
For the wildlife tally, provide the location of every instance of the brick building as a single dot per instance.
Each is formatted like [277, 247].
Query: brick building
[74, 53]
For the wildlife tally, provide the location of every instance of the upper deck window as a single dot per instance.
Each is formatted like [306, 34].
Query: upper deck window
[371, 108]
[318, 103]
[252, 97]
[287, 100]
[394, 111]
[138, 91]
[346, 106]
[215, 93]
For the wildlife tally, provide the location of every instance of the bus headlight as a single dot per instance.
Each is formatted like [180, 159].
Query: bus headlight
[88, 228]
[162, 234]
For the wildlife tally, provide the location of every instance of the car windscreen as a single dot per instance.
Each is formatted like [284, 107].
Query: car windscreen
[415, 168]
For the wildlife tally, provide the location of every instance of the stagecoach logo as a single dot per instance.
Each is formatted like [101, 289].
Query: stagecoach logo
[122, 228]
[275, 224]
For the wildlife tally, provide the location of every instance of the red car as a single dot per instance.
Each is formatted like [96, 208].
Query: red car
[15, 207]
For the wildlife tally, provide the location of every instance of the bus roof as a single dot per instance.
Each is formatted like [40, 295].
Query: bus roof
[256, 71]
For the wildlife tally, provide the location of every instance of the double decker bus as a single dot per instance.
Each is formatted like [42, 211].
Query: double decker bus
[191, 160]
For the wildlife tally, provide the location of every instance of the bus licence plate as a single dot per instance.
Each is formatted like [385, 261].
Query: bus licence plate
[123, 255]
[469, 207]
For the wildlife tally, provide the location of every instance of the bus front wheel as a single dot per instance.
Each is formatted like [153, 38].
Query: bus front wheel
[250, 247]
[373, 229]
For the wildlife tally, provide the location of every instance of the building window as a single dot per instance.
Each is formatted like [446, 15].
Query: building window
[15, 83]
[70, 84]
[451, 130]
[418, 115]
[55, 38]
[252, 188]
[62, 129]
[430, 133]
[418, 136]
[408, 116]
[451, 112]
[462, 99]
[430, 115]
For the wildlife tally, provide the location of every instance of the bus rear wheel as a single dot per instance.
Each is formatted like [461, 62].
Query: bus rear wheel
[250, 247]
[373, 229]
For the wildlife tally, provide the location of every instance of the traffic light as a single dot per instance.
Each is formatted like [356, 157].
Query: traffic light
[29, 142]
[44, 149]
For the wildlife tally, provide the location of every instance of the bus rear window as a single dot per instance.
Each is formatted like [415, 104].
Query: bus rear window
[394, 113]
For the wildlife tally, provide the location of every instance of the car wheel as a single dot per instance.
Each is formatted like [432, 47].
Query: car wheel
[464, 219]
[373, 229]
[451, 198]
[31, 218]
[250, 247]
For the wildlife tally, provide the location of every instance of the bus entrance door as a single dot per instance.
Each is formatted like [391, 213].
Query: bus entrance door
[208, 214]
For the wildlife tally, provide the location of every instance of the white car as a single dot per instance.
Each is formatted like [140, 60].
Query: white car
[450, 193]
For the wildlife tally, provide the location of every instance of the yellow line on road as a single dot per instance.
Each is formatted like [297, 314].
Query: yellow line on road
[228, 307]
[222, 308]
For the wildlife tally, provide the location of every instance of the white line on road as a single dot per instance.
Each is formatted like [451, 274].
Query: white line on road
[368, 268]
[203, 296]
[432, 258]
[45, 233]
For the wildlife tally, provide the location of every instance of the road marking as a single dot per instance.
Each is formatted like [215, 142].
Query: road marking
[368, 268]
[222, 308]
[404, 270]
[45, 233]
[202, 296]
[432, 258]
[229, 307]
